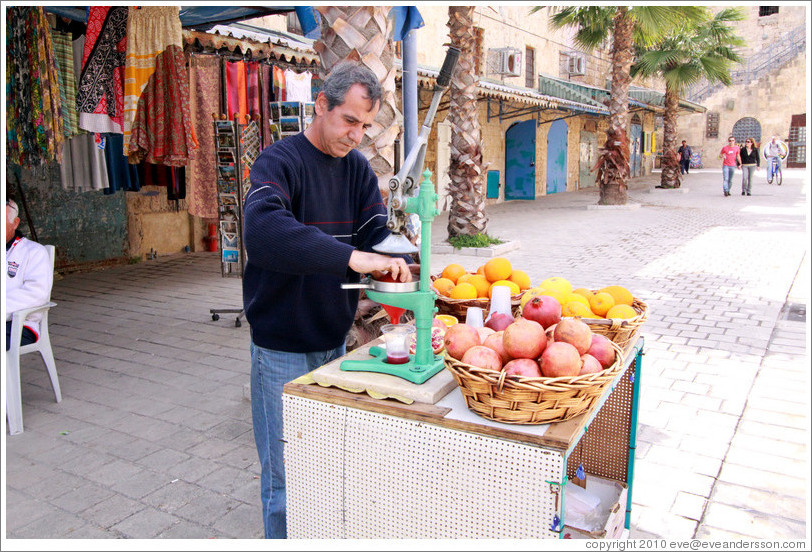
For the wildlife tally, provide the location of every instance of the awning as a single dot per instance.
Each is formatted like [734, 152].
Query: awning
[262, 43]
[202, 18]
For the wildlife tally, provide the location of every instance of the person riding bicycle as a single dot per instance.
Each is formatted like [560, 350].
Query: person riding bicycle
[775, 150]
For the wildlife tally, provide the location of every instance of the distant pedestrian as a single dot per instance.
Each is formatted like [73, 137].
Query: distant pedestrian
[750, 161]
[774, 152]
[731, 158]
[684, 153]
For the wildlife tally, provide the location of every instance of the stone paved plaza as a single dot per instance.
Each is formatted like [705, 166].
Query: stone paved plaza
[153, 437]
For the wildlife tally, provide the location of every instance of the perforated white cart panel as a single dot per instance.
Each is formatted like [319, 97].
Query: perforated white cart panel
[409, 479]
[314, 467]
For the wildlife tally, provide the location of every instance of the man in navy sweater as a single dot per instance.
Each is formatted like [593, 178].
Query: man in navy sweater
[312, 215]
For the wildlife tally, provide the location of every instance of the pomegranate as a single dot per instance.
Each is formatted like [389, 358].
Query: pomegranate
[495, 342]
[524, 339]
[499, 321]
[526, 367]
[550, 333]
[589, 365]
[575, 332]
[543, 309]
[459, 338]
[560, 359]
[601, 348]
[437, 341]
[482, 357]
[484, 332]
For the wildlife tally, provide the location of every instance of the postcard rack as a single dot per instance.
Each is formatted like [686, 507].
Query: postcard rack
[288, 118]
[232, 184]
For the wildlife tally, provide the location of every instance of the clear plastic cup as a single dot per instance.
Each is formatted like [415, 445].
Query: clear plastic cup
[473, 317]
[500, 300]
[397, 337]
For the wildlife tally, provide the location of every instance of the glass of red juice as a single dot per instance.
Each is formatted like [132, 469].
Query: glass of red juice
[397, 338]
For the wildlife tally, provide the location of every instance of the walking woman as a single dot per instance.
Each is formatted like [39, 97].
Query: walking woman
[750, 161]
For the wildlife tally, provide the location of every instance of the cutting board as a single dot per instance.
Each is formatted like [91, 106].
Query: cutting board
[382, 385]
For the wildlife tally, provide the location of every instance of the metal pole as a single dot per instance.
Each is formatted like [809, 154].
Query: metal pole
[409, 90]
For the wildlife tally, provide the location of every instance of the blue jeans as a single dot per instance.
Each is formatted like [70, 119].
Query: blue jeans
[727, 176]
[771, 164]
[270, 370]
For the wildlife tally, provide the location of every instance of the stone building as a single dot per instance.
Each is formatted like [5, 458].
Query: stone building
[769, 94]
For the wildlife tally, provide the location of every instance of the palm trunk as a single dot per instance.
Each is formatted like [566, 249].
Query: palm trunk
[359, 33]
[670, 160]
[613, 171]
[466, 215]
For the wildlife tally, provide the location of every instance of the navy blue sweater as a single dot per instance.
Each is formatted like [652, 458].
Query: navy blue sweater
[304, 215]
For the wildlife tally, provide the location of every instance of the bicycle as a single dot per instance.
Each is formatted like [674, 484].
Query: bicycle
[775, 170]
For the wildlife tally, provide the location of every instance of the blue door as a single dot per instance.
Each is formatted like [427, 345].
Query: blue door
[557, 157]
[635, 150]
[520, 161]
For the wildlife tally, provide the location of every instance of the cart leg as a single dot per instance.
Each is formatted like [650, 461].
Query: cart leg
[636, 374]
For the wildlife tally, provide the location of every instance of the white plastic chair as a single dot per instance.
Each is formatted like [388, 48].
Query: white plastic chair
[14, 406]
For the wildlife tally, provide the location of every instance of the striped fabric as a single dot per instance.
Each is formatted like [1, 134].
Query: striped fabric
[63, 50]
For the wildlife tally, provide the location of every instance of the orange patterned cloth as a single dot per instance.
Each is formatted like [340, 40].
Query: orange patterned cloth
[157, 122]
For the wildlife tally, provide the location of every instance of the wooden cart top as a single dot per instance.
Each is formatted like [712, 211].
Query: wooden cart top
[451, 411]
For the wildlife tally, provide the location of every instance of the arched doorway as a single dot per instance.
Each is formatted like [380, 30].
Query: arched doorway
[747, 127]
[636, 146]
[520, 161]
[557, 157]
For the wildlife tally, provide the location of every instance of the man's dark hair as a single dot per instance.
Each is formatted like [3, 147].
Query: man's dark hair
[343, 76]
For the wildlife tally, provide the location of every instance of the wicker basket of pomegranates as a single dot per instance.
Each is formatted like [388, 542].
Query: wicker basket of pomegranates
[531, 372]
[620, 330]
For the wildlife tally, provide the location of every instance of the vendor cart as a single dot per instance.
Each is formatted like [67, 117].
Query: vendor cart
[360, 467]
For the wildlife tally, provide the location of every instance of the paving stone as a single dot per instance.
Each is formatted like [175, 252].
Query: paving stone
[140, 484]
[176, 494]
[145, 524]
[207, 508]
[183, 529]
[752, 524]
[26, 509]
[689, 506]
[54, 524]
[781, 484]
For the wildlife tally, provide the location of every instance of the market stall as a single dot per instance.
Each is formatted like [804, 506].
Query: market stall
[360, 467]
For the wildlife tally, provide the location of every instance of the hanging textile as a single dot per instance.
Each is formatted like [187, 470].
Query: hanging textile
[204, 100]
[83, 167]
[171, 178]
[33, 111]
[237, 89]
[100, 94]
[63, 51]
[266, 93]
[121, 174]
[253, 89]
[278, 84]
[157, 87]
[297, 86]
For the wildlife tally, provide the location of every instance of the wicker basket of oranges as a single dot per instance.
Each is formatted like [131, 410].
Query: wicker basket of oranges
[457, 289]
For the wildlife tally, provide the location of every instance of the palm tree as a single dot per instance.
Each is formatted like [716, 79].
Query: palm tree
[361, 33]
[466, 215]
[628, 25]
[686, 55]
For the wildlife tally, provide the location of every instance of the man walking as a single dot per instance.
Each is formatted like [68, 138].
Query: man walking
[684, 153]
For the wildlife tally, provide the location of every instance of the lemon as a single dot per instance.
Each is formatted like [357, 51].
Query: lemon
[621, 311]
[557, 283]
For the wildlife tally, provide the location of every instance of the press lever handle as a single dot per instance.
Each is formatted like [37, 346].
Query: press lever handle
[451, 57]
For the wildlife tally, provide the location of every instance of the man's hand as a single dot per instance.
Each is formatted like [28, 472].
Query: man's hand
[364, 262]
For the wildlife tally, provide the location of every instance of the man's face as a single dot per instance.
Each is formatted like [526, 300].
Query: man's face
[683, 142]
[11, 225]
[339, 131]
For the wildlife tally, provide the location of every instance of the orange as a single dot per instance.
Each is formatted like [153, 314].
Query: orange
[576, 297]
[585, 292]
[521, 279]
[443, 286]
[557, 283]
[446, 319]
[576, 308]
[514, 289]
[558, 295]
[481, 284]
[621, 311]
[498, 268]
[465, 278]
[463, 291]
[481, 270]
[453, 272]
[621, 295]
[601, 302]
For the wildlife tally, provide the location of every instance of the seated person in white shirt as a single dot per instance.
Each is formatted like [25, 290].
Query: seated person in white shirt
[29, 276]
